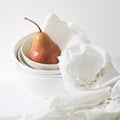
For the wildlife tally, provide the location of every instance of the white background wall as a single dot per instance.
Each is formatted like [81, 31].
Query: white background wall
[100, 19]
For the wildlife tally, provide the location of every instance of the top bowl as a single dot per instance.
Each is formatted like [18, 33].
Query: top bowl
[25, 48]
[19, 61]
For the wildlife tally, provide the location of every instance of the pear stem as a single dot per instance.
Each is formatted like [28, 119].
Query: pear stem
[34, 23]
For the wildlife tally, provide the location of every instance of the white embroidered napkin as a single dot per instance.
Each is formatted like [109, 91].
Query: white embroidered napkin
[58, 30]
[85, 66]
[62, 107]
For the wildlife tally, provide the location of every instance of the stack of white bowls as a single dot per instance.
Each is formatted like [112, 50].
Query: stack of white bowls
[44, 80]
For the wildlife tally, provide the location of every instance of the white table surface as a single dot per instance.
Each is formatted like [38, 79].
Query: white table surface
[14, 99]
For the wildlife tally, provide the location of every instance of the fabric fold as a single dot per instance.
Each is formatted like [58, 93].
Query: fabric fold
[86, 66]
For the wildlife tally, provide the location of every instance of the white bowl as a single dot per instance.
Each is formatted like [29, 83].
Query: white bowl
[41, 85]
[45, 83]
[23, 65]
[25, 48]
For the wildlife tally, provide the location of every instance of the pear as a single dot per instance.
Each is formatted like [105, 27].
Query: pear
[44, 49]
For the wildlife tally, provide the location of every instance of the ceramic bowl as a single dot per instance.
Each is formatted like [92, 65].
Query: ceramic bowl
[25, 48]
[45, 83]
[44, 86]
[23, 64]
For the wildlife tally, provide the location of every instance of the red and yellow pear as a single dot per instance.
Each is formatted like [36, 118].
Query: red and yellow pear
[44, 49]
